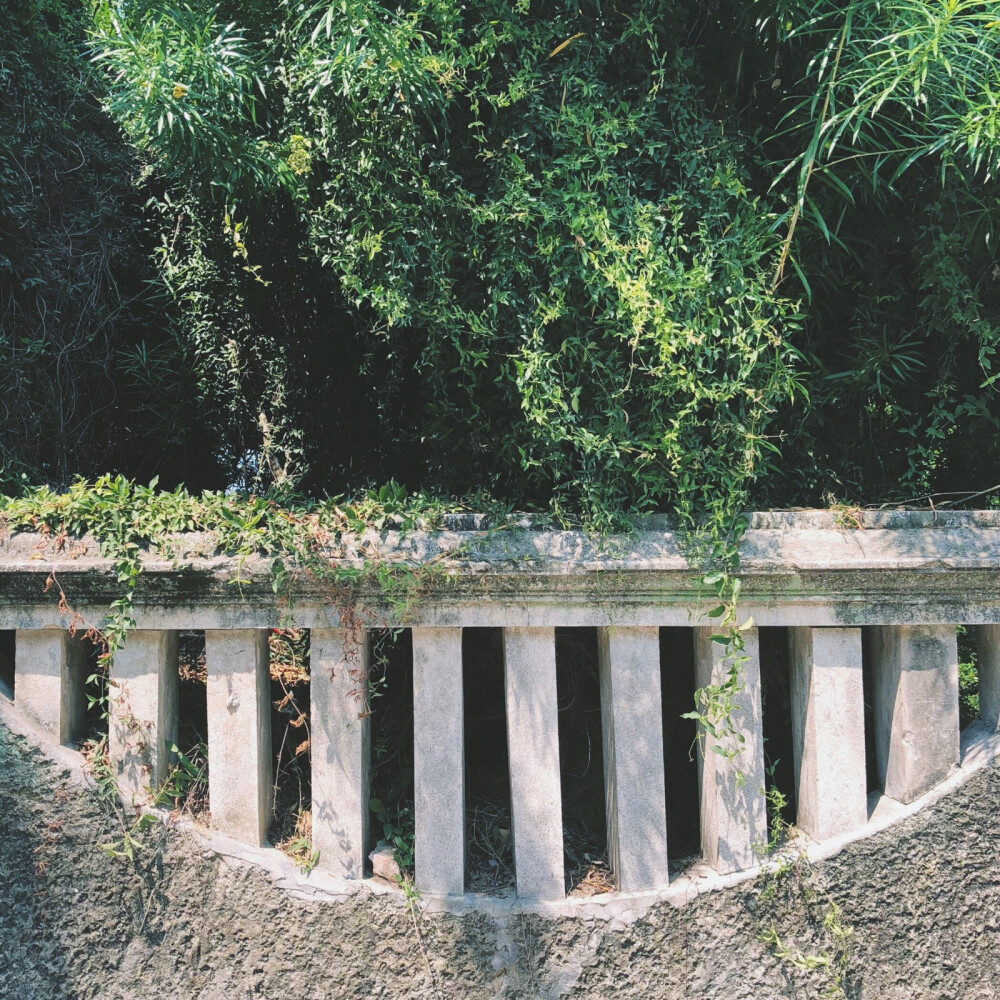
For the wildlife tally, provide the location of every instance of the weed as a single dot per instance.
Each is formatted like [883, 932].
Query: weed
[792, 884]
[412, 896]
[846, 515]
[776, 803]
[298, 846]
[968, 677]
[716, 704]
[398, 829]
[300, 850]
[185, 788]
[126, 839]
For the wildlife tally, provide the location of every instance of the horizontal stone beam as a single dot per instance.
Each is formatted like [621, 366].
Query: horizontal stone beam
[574, 611]
[798, 569]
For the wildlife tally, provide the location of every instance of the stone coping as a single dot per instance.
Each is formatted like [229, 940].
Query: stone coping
[797, 567]
[774, 541]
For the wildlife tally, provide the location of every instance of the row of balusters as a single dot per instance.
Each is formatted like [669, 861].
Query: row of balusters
[914, 712]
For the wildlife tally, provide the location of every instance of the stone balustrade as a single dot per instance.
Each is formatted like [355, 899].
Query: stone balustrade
[883, 598]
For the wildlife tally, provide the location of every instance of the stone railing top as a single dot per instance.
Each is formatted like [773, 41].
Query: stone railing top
[909, 565]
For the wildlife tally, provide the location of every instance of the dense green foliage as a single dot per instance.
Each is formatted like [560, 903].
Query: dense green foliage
[71, 259]
[597, 258]
[889, 140]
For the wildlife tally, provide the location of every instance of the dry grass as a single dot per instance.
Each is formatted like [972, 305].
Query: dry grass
[490, 848]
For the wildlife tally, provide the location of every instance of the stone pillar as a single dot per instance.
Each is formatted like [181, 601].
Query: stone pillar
[533, 746]
[438, 761]
[50, 685]
[142, 708]
[632, 727]
[988, 664]
[238, 696]
[828, 730]
[915, 700]
[733, 813]
[340, 741]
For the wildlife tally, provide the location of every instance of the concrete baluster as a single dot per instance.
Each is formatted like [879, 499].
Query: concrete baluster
[240, 772]
[733, 813]
[988, 664]
[50, 685]
[533, 743]
[340, 740]
[142, 707]
[828, 730]
[632, 728]
[915, 701]
[439, 761]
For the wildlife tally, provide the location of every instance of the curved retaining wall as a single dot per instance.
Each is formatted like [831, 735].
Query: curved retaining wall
[905, 578]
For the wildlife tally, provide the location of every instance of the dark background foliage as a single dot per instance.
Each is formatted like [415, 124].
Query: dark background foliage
[532, 249]
[78, 293]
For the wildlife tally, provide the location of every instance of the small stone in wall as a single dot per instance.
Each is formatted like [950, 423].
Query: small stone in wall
[383, 860]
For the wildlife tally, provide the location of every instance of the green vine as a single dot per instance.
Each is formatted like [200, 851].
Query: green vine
[295, 534]
[716, 707]
[791, 890]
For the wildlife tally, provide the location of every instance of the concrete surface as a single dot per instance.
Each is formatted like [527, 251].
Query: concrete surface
[142, 708]
[533, 747]
[632, 731]
[438, 761]
[340, 749]
[733, 814]
[915, 702]
[238, 697]
[828, 730]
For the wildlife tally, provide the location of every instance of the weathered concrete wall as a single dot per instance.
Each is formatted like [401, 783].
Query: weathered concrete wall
[804, 568]
[923, 900]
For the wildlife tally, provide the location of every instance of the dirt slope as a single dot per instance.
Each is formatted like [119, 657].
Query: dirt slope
[923, 901]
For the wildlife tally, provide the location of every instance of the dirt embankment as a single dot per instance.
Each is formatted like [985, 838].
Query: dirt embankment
[912, 914]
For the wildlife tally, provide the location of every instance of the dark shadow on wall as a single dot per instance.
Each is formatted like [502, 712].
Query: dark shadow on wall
[289, 669]
[581, 760]
[874, 783]
[680, 762]
[776, 700]
[391, 701]
[7, 654]
[489, 850]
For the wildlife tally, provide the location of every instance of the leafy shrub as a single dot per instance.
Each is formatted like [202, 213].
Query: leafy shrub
[547, 255]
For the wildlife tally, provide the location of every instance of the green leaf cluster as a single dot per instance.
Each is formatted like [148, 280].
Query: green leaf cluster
[541, 245]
